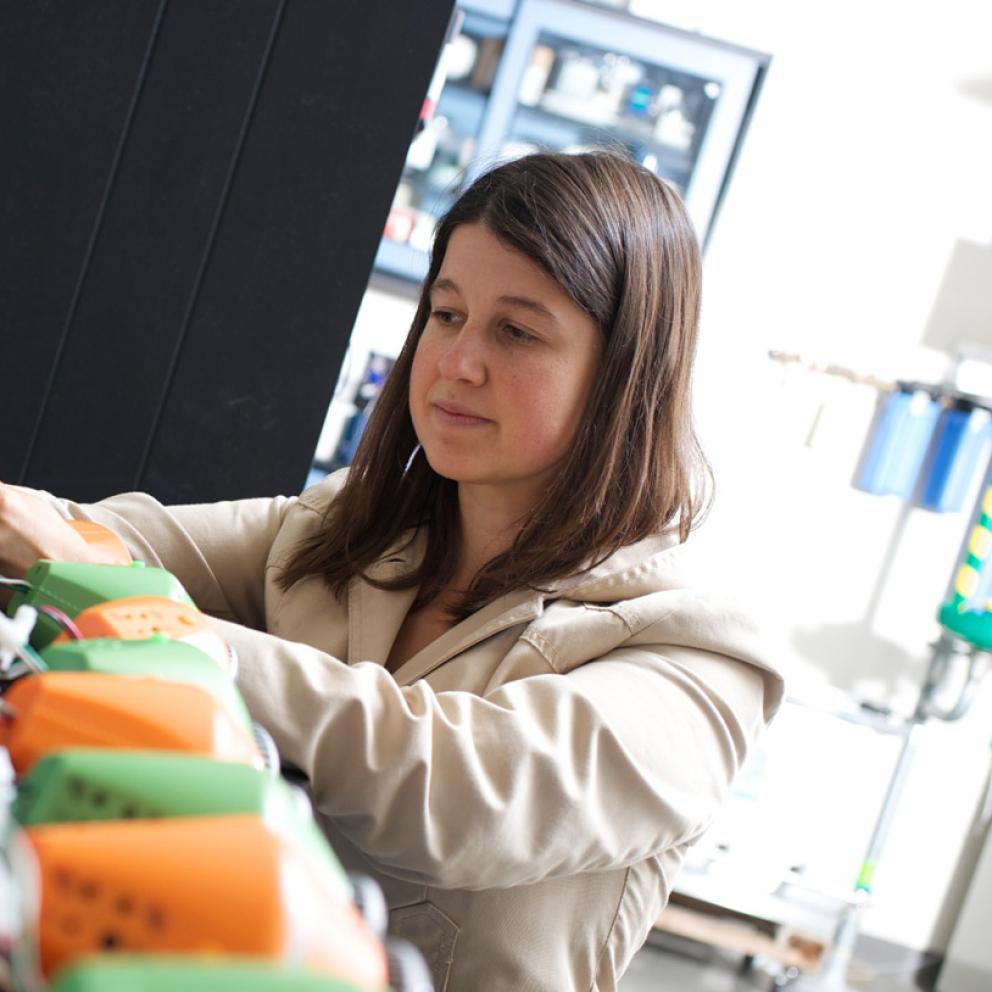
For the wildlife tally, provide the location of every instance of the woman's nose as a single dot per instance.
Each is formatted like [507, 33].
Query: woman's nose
[462, 359]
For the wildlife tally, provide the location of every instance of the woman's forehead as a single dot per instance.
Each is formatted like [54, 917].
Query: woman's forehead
[475, 258]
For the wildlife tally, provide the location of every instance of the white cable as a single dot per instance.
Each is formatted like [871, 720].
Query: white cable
[14, 634]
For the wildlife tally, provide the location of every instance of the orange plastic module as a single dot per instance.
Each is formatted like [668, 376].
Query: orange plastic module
[224, 885]
[137, 618]
[104, 539]
[57, 710]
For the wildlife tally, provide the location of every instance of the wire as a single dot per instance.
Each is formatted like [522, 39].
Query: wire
[32, 659]
[31, 663]
[63, 620]
[19, 584]
[14, 634]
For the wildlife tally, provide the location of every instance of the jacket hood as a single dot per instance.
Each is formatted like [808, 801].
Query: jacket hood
[655, 564]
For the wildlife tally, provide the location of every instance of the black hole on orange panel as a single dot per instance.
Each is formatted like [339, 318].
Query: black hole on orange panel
[110, 941]
[88, 889]
[62, 878]
[124, 905]
[156, 918]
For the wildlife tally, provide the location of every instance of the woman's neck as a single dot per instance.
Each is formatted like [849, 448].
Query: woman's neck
[489, 525]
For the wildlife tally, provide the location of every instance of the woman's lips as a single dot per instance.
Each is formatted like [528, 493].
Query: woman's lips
[456, 417]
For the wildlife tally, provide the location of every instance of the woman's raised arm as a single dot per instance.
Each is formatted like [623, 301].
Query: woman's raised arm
[218, 551]
[546, 776]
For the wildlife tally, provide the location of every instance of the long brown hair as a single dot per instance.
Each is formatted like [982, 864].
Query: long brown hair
[618, 240]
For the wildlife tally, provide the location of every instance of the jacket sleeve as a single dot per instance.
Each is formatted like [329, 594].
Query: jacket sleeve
[546, 776]
[218, 551]
[551, 775]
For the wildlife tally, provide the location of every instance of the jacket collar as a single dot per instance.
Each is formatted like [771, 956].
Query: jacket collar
[520, 606]
[375, 615]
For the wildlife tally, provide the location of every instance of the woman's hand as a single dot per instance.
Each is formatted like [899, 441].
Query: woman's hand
[31, 529]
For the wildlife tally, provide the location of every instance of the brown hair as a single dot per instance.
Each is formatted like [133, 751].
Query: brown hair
[618, 241]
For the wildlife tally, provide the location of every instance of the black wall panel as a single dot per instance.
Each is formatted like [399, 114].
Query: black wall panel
[228, 231]
[67, 77]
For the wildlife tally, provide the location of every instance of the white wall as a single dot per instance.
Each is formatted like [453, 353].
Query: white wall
[869, 162]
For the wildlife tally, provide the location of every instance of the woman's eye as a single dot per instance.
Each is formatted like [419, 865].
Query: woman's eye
[518, 333]
[443, 316]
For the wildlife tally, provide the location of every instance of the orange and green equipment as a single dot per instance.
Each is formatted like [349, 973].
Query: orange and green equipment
[152, 844]
[957, 615]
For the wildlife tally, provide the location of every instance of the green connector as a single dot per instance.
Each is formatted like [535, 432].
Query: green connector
[95, 784]
[973, 626]
[157, 656]
[866, 877]
[74, 586]
[160, 973]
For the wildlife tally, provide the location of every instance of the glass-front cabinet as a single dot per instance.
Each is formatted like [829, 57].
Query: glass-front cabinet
[569, 75]
[445, 148]
[523, 75]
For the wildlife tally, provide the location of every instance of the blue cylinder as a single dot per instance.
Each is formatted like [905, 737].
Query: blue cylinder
[959, 442]
[898, 443]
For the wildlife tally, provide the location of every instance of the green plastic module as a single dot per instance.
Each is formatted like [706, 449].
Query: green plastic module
[160, 973]
[73, 586]
[157, 656]
[96, 784]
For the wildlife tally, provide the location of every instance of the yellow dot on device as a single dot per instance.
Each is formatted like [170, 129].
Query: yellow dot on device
[987, 502]
[980, 543]
[967, 581]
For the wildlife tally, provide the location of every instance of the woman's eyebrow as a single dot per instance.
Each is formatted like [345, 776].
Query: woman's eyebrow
[528, 304]
[444, 283]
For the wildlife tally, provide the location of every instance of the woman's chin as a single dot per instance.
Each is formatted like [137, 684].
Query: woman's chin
[454, 468]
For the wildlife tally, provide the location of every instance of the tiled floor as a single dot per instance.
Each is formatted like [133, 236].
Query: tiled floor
[655, 970]
[663, 969]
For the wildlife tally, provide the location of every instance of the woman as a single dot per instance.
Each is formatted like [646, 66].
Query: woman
[481, 645]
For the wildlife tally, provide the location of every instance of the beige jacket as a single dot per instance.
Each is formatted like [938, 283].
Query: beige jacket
[525, 788]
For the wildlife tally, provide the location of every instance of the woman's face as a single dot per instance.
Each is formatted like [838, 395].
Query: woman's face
[502, 370]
